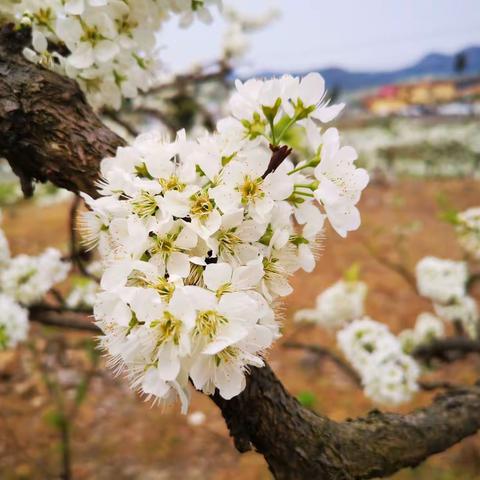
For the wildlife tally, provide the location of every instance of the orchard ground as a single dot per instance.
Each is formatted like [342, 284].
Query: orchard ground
[117, 435]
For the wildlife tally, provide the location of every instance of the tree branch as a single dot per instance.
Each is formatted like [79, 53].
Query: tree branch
[47, 131]
[299, 444]
[447, 349]
[69, 320]
[326, 353]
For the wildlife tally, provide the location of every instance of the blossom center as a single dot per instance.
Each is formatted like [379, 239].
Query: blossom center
[172, 183]
[226, 355]
[227, 241]
[169, 327]
[250, 189]
[165, 246]
[208, 322]
[145, 205]
[202, 205]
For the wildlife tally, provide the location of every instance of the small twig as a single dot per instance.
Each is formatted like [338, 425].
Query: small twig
[429, 386]
[193, 78]
[58, 296]
[326, 353]
[55, 319]
[45, 307]
[397, 267]
[117, 118]
[153, 112]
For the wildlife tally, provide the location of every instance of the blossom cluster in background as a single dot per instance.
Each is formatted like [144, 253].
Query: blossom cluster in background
[24, 280]
[108, 46]
[336, 306]
[428, 327]
[444, 282]
[200, 236]
[239, 25]
[383, 361]
[388, 374]
[467, 226]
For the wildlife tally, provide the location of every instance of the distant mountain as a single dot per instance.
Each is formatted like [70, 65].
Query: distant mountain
[432, 65]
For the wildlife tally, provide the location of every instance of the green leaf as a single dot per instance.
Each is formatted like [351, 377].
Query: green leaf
[352, 274]
[307, 398]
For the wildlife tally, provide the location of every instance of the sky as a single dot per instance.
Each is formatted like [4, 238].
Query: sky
[368, 35]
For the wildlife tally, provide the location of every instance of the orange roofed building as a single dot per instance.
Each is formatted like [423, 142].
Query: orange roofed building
[394, 99]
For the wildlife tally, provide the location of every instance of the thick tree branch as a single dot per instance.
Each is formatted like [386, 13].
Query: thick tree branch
[47, 131]
[299, 444]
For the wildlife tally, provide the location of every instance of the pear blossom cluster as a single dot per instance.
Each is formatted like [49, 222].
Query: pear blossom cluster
[445, 283]
[13, 323]
[383, 360]
[27, 278]
[82, 294]
[336, 306]
[24, 280]
[239, 25]
[13, 317]
[389, 376]
[199, 237]
[428, 327]
[108, 46]
[271, 108]
[463, 310]
[467, 226]
[441, 280]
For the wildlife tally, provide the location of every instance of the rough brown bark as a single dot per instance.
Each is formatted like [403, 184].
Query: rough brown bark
[47, 131]
[299, 444]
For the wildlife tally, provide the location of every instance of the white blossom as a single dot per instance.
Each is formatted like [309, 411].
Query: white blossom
[392, 381]
[111, 45]
[441, 280]
[83, 293]
[463, 310]
[13, 322]
[339, 304]
[26, 279]
[199, 238]
[428, 327]
[388, 375]
[468, 231]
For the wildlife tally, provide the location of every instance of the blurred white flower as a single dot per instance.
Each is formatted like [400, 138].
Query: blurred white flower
[339, 304]
[26, 279]
[388, 375]
[13, 323]
[468, 231]
[463, 310]
[441, 280]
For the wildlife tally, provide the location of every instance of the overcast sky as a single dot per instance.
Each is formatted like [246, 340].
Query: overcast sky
[356, 34]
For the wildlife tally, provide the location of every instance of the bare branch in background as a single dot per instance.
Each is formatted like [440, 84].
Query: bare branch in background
[324, 352]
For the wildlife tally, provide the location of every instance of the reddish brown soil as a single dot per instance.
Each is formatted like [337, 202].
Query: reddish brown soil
[118, 436]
